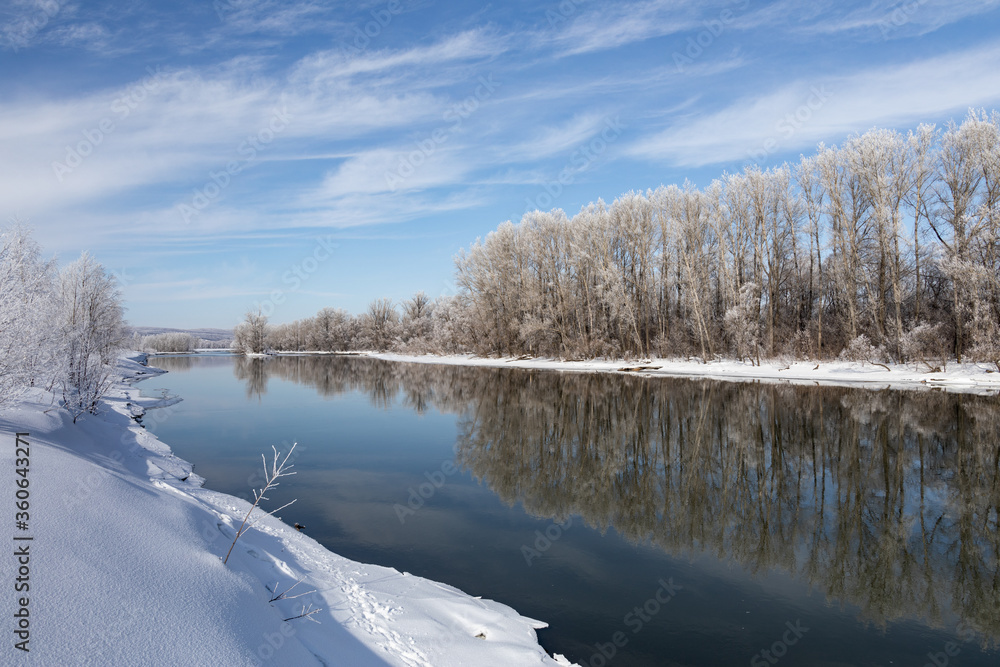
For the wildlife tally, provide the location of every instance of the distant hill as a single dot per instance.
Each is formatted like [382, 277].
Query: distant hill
[206, 334]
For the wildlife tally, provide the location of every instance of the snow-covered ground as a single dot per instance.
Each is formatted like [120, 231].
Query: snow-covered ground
[964, 378]
[125, 566]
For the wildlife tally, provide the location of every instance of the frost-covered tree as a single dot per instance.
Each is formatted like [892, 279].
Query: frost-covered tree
[91, 332]
[925, 342]
[451, 325]
[416, 325]
[250, 336]
[27, 337]
[967, 194]
[57, 328]
[380, 324]
[743, 325]
[294, 336]
[223, 344]
[168, 342]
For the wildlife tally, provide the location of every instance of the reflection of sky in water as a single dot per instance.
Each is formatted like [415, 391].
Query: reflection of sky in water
[726, 527]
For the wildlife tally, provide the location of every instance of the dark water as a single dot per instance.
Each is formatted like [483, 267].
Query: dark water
[653, 521]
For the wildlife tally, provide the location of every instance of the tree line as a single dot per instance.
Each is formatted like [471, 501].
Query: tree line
[884, 248]
[419, 324]
[60, 330]
[174, 342]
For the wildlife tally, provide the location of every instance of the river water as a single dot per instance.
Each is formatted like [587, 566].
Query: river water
[649, 521]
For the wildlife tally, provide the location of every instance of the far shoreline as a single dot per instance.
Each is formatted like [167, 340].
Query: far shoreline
[965, 378]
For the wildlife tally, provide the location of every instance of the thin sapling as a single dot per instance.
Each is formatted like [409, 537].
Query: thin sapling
[271, 477]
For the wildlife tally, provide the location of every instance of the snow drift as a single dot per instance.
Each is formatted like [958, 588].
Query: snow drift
[126, 567]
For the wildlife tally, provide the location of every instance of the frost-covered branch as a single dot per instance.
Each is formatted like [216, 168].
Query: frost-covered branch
[271, 477]
[284, 595]
[306, 612]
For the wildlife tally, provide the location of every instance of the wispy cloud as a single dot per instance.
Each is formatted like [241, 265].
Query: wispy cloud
[378, 170]
[794, 117]
[546, 141]
[278, 17]
[178, 126]
[893, 19]
[463, 46]
[616, 24]
[21, 21]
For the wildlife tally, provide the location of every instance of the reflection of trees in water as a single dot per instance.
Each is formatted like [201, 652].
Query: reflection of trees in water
[382, 381]
[185, 362]
[254, 371]
[887, 500]
[180, 363]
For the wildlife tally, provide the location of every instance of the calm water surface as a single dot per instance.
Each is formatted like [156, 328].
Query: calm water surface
[692, 522]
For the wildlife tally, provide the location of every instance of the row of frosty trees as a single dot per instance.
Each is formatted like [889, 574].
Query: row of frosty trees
[59, 330]
[886, 247]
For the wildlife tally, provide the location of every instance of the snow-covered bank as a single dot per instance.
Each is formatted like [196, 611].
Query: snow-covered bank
[963, 378]
[124, 566]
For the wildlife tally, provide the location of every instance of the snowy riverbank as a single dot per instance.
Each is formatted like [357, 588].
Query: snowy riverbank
[124, 565]
[963, 378]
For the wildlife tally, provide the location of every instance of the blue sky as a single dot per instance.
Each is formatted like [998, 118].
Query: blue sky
[219, 155]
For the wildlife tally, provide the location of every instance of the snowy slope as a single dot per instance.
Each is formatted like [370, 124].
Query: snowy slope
[125, 567]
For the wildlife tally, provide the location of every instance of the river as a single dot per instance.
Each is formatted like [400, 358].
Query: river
[649, 521]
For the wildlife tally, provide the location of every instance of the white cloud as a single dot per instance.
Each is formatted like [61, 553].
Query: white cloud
[404, 168]
[891, 96]
[177, 127]
[21, 21]
[554, 140]
[892, 19]
[614, 24]
[279, 17]
[338, 64]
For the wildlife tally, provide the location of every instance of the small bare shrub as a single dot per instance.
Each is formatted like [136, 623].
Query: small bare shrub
[924, 342]
[861, 349]
[271, 477]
